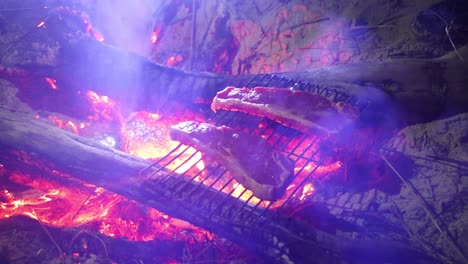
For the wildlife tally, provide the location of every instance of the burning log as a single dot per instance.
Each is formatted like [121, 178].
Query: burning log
[128, 77]
[94, 248]
[275, 236]
[411, 90]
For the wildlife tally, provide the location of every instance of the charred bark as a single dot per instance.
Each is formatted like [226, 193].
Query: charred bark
[276, 236]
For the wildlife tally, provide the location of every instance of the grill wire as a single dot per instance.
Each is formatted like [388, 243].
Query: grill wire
[305, 149]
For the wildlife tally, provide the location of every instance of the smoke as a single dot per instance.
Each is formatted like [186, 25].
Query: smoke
[118, 73]
[126, 24]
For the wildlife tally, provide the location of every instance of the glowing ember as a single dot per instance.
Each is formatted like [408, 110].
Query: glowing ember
[174, 60]
[306, 191]
[42, 23]
[102, 106]
[89, 29]
[98, 36]
[51, 82]
[61, 206]
[325, 169]
[155, 34]
[146, 135]
[68, 125]
[58, 122]
[92, 32]
[154, 37]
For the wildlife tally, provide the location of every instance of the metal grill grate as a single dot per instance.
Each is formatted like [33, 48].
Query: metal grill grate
[308, 151]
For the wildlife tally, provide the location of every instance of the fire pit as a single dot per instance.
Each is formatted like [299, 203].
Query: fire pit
[87, 156]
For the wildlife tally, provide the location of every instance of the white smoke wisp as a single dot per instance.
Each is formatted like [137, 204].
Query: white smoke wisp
[126, 24]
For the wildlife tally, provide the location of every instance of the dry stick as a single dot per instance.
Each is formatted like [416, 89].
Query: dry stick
[88, 233]
[20, 9]
[15, 110]
[453, 44]
[81, 207]
[448, 33]
[48, 234]
[307, 23]
[425, 207]
[194, 26]
[399, 215]
[20, 38]
[370, 27]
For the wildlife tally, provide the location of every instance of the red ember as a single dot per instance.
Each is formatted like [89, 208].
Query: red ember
[51, 82]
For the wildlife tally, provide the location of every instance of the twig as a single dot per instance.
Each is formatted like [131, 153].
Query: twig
[81, 207]
[15, 110]
[210, 244]
[20, 38]
[399, 215]
[453, 44]
[88, 233]
[20, 9]
[447, 32]
[443, 161]
[370, 27]
[425, 207]
[48, 234]
[306, 23]
[194, 33]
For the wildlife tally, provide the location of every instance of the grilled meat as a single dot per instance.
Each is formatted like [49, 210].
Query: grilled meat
[304, 111]
[251, 161]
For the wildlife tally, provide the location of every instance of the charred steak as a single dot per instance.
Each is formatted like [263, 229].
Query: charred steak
[300, 110]
[250, 160]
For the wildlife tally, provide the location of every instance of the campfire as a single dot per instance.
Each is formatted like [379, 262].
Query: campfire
[93, 171]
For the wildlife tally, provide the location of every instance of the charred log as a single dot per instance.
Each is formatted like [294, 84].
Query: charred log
[409, 91]
[283, 239]
[85, 245]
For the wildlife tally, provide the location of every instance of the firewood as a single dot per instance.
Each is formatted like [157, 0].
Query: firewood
[276, 237]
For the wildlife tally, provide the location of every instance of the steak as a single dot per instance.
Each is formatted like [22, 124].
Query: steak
[251, 161]
[304, 111]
